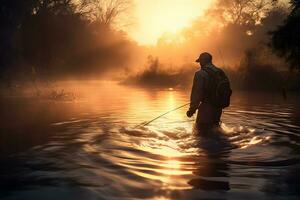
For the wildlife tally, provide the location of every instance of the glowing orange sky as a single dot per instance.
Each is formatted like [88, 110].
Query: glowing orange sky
[156, 17]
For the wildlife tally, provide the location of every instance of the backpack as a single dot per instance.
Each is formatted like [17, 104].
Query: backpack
[219, 90]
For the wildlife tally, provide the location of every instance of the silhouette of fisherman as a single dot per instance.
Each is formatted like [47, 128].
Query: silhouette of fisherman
[210, 94]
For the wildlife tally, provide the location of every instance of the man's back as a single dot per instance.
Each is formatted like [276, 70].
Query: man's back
[210, 93]
[207, 112]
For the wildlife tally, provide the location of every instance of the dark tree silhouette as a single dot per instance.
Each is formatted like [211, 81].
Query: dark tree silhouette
[61, 37]
[12, 14]
[286, 40]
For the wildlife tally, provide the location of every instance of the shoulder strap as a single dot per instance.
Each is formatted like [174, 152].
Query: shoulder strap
[211, 86]
[210, 72]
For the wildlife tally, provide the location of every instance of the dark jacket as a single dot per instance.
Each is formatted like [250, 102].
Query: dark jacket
[207, 113]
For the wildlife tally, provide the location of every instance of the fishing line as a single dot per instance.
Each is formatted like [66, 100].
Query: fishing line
[147, 123]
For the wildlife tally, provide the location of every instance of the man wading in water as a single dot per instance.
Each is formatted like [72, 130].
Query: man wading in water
[210, 94]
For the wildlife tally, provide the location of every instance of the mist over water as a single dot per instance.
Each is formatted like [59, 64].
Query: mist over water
[90, 147]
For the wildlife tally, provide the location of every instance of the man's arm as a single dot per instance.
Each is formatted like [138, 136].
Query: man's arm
[196, 94]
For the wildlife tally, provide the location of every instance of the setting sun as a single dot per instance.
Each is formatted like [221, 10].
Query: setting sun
[164, 16]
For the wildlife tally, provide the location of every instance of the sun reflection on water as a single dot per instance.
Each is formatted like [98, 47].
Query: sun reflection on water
[244, 137]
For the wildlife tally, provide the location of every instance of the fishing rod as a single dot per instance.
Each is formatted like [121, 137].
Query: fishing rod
[147, 123]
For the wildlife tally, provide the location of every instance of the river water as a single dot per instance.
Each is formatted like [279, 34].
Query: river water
[93, 148]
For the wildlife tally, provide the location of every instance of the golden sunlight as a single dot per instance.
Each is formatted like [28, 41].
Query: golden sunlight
[156, 17]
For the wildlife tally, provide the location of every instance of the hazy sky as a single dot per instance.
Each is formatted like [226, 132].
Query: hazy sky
[156, 17]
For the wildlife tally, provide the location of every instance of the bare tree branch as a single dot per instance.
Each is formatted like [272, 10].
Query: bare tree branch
[106, 12]
[243, 11]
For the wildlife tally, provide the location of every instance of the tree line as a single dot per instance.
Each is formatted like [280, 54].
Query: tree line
[59, 37]
[75, 37]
